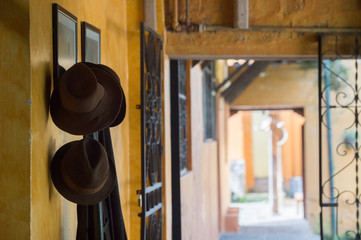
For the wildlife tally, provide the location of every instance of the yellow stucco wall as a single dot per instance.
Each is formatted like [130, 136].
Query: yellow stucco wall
[15, 120]
[134, 17]
[53, 217]
[133, 36]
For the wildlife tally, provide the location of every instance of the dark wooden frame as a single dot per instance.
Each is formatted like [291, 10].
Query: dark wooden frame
[56, 9]
[84, 27]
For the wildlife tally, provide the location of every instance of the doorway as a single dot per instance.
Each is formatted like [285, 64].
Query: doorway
[277, 105]
[266, 161]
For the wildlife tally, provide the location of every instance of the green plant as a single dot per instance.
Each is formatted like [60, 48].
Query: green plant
[251, 197]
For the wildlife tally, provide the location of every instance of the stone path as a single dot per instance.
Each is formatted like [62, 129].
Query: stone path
[282, 230]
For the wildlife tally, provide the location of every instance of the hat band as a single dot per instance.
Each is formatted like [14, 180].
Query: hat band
[81, 190]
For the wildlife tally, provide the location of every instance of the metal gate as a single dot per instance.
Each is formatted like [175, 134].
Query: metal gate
[339, 125]
[151, 134]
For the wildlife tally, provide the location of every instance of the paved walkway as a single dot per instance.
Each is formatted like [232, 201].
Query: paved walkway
[257, 222]
[284, 230]
[261, 212]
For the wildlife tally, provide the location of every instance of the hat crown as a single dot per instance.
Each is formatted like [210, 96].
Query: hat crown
[79, 89]
[85, 166]
[77, 109]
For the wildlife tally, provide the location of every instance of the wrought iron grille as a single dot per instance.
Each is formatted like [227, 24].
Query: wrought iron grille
[151, 133]
[339, 126]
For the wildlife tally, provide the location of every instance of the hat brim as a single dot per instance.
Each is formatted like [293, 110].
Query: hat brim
[101, 117]
[119, 119]
[71, 195]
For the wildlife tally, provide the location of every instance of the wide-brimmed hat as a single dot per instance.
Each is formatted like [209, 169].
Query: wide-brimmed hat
[87, 100]
[123, 107]
[82, 172]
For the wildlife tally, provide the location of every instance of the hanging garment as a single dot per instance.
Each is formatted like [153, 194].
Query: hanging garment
[113, 201]
[102, 221]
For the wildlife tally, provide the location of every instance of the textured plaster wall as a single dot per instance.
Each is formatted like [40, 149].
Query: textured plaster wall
[274, 12]
[133, 36]
[305, 13]
[53, 217]
[199, 187]
[15, 120]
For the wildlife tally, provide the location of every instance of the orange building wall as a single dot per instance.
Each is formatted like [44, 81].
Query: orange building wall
[247, 148]
[292, 149]
[235, 140]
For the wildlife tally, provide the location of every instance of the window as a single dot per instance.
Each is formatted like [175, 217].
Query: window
[209, 101]
[180, 113]
[182, 102]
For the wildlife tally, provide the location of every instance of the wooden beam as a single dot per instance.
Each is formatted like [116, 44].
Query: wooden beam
[262, 44]
[242, 82]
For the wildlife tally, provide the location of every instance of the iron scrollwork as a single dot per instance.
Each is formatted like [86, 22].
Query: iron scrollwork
[339, 93]
[151, 133]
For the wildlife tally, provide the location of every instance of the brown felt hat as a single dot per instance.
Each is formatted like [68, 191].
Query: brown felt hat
[88, 99]
[82, 172]
[123, 107]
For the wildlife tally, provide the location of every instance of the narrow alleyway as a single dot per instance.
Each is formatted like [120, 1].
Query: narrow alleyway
[284, 230]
